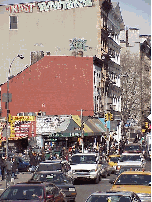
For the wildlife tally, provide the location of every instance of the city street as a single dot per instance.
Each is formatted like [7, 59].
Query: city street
[84, 189]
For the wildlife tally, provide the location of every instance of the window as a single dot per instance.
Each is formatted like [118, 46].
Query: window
[13, 22]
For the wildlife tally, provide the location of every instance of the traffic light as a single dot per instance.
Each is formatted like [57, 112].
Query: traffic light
[12, 129]
[9, 118]
[111, 117]
[146, 124]
[106, 117]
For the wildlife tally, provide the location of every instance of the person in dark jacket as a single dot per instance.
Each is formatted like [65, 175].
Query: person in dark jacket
[9, 168]
[3, 167]
[14, 167]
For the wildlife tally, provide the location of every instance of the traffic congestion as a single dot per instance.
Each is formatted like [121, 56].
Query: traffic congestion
[64, 174]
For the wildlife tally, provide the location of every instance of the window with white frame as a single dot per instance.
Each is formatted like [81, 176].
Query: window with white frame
[13, 22]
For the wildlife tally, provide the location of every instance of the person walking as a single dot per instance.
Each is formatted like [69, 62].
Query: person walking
[14, 167]
[3, 167]
[9, 168]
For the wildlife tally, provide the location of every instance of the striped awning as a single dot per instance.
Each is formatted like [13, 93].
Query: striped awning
[77, 120]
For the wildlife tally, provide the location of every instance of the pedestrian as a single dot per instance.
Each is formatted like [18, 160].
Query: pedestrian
[3, 167]
[14, 167]
[9, 168]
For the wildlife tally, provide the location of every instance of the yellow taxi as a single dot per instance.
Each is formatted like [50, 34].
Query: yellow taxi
[135, 181]
[113, 160]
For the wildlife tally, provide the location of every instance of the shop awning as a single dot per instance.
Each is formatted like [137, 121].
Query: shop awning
[96, 125]
[77, 119]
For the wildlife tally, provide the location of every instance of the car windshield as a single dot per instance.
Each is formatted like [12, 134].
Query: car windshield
[130, 158]
[49, 167]
[84, 159]
[23, 193]
[132, 148]
[57, 178]
[107, 198]
[133, 179]
[114, 159]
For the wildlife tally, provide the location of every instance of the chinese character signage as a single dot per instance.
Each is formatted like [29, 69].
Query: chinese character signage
[77, 44]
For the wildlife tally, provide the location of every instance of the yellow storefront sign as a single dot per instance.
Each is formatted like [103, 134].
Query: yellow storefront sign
[23, 118]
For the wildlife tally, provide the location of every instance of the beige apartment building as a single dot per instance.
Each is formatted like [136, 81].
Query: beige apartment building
[54, 27]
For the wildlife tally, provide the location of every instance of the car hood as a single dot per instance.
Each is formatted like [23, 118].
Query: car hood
[83, 166]
[65, 186]
[134, 188]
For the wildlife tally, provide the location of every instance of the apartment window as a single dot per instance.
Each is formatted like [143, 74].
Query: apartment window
[13, 22]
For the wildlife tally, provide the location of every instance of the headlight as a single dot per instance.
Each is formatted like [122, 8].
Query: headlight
[93, 170]
[72, 189]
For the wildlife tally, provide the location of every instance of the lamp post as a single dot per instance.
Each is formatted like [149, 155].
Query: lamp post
[8, 111]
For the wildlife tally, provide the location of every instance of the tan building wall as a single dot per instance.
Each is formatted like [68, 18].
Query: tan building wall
[47, 31]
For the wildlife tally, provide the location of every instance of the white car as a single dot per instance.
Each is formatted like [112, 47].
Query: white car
[128, 159]
[85, 166]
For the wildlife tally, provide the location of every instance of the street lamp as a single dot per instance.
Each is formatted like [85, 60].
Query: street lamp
[8, 111]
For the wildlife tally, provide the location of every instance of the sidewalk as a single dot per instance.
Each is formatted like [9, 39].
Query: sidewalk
[21, 177]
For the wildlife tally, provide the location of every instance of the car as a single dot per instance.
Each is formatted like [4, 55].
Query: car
[44, 192]
[113, 197]
[133, 148]
[113, 160]
[131, 159]
[136, 181]
[85, 166]
[23, 165]
[59, 179]
[129, 167]
[50, 165]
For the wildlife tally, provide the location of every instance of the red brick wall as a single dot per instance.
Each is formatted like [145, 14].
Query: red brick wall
[63, 83]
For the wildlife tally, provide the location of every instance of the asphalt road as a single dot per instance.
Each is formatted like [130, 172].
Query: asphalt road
[84, 189]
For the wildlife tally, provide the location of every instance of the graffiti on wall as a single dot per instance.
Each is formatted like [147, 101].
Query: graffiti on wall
[52, 124]
[48, 6]
[78, 44]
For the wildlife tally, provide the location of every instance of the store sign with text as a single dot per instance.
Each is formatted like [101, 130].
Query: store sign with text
[49, 5]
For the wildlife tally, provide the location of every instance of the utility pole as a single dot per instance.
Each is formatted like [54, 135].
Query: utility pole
[82, 131]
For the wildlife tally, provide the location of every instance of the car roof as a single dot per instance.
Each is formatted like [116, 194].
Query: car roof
[124, 193]
[85, 154]
[130, 154]
[137, 172]
[133, 144]
[116, 155]
[47, 172]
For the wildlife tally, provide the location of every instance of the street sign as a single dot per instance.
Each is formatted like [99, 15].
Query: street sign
[5, 98]
[23, 118]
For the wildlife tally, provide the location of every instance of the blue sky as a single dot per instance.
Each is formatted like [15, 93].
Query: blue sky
[135, 13]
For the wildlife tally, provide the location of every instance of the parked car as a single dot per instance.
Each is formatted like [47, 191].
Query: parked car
[59, 179]
[113, 197]
[136, 181]
[44, 192]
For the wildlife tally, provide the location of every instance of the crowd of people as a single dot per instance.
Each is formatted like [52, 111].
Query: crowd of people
[9, 166]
